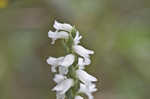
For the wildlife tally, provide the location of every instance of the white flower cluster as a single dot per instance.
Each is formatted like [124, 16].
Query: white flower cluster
[70, 76]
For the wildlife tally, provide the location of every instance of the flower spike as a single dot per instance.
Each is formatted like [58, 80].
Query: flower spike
[70, 76]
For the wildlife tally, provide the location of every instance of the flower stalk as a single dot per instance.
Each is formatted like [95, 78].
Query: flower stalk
[70, 76]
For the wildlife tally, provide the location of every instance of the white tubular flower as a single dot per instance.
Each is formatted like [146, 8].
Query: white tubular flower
[78, 97]
[83, 62]
[85, 77]
[80, 50]
[59, 78]
[61, 61]
[54, 62]
[63, 86]
[77, 38]
[68, 60]
[62, 26]
[57, 35]
[87, 89]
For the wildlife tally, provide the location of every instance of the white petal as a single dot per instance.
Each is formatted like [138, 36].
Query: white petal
[85, 77]
[92, 87]
[82, 62]
[57, 35]
[58, 78]
[62, 26]
[68, 60]
[78, 97]
[60, 96]
[63, 70]
[77, 38]
[64, 86]
[87, 61]
[82, 51]
[85, 89]
[54, 62]
[53, 68]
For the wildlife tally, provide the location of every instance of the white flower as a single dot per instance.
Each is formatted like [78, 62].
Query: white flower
[62, 26]
[82, 62]
[61, 61]
[60, 96]
[55, 62]
[78, 97]
[88, 89]
[59, 78]
[85, 77]
[68, 60]
[63, 70]
[63, 86]
[57, 35]
[77, 38]
[82, 51]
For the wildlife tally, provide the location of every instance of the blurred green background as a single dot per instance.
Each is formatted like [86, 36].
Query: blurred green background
[117, 30]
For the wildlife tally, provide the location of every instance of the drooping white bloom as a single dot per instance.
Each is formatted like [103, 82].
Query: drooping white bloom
[77, 38]
[68, 60]
[78, 97]
[88, 89]
[60, 90]
[57, 35]
[61, 61]
[59, 78]
[54, 62]
[63, 86]
[80, 50]
[85, 77]
[62, 26]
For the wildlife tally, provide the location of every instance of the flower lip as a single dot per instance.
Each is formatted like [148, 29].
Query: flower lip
[62, 26]
[78, 97]
[54, 62]
[87, 89]
[85, 77]
[64, 86]
[80, 50]
[57, 35]
[58, 78]
[68, 60]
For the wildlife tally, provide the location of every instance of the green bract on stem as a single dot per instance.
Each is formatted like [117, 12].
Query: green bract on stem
[70, 76]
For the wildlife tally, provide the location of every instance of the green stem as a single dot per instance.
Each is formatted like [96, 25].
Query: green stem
[73, 91]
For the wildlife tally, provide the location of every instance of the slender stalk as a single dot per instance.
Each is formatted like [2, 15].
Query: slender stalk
[72, 92]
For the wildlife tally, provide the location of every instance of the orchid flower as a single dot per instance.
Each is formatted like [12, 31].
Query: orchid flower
[70, 75]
